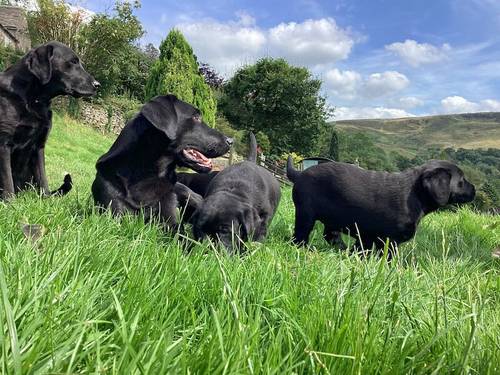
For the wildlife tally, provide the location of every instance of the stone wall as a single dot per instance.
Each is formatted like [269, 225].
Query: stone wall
[105, 118]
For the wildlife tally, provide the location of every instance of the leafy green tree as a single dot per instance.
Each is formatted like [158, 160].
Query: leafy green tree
[280, 100]
[53, 20]
[9, 56]
[492, 193]
[176, 72]
[108, 48]
[360, 148]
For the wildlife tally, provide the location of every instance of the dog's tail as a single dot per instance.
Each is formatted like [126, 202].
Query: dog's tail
[252, 152]
[291, 172]
[65, 187]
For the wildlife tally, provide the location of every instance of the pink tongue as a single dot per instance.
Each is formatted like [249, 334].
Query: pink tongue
[199, 157]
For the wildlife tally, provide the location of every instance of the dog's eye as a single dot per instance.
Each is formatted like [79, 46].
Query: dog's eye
[74, 61]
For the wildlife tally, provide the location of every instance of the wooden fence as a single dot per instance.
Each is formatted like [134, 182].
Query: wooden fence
[278, 172]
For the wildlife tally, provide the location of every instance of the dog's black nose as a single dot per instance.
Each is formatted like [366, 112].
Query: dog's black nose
[96, 84]
[230, 141]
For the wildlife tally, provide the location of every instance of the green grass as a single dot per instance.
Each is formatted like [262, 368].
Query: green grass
[99, 295]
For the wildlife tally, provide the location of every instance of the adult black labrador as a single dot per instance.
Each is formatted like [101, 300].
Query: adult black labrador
[371, 205]
[239, 205]
[138, 172]
[26, 90]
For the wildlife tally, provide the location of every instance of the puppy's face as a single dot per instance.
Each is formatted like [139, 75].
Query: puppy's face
[229, 222]
[445, 183]
[57, 65]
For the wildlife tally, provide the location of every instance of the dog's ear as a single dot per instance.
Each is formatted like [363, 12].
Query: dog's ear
[39, 63]
[248, 221]
[161, 112]
[436, 182]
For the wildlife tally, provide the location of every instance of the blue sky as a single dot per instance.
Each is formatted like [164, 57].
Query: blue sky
[377, 58]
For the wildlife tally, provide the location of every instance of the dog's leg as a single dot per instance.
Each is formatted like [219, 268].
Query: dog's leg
[333, 237]
[39, 174]
[6, 180]
[304, 224]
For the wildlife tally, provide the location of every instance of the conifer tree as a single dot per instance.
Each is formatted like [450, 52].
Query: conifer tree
[176, 72]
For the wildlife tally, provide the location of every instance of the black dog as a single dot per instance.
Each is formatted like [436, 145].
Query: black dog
[239, 205]
[138, 172]
[197, 182]
[26, 90]
[373, 205]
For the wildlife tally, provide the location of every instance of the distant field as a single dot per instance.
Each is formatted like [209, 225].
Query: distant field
[478, 130]
[102, 295]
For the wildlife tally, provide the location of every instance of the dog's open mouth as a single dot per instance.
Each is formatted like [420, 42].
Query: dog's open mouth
[197, 157]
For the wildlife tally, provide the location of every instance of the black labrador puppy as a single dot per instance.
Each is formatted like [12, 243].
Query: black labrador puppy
[372, 205]
[197, 182]
[26, 90]
[138, 172]
[239, 205]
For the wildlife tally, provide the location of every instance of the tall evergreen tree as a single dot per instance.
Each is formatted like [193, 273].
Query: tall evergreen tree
[334, 146]
[176, 72]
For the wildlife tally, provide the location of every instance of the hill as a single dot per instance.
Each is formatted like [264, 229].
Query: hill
[97, 294]
[408, 135]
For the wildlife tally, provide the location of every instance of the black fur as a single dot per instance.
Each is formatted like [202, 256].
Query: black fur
[239, 205]
[197, 182]
[26, 90]
[380, 205]
[138, 172]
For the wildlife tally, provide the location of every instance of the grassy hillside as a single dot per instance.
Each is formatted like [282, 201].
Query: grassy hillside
[101, 295]
[406, 135]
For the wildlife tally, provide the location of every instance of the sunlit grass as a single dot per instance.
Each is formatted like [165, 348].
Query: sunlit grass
[99, 295]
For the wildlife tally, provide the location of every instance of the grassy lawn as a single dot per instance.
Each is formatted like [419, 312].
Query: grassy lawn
[98, 295]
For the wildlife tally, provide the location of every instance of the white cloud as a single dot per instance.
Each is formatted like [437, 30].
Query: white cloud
[312, 42]
[354, 113]
[228, 45]
[344, 84]
[458, 104]
[349, 84]
[225, 45]
[416, 54]
[381, 84]
[410, 102]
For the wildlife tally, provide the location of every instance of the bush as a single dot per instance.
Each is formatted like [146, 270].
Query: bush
[9, 56]
[176, 72]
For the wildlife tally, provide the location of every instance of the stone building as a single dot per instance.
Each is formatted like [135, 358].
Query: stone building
[14, 28]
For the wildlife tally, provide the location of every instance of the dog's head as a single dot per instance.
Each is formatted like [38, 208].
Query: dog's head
[193, 142]
[226, 220]
[56, 65]
[444, 183]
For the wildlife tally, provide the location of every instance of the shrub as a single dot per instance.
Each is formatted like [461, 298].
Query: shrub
[176, 72]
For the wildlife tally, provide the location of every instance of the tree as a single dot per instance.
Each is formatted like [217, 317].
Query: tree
[280, 100]
[176, 72]
[9, 56]
[212, 78]
[54, 20]
[108, 48]
[334, 146]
